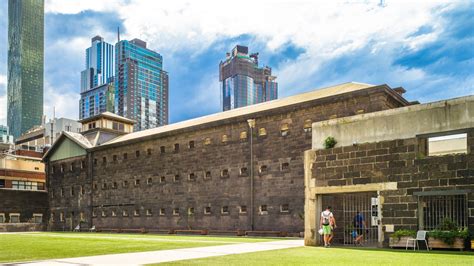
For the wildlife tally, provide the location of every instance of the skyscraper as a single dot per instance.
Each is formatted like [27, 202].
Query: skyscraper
[99, 64]
[141, 85]
[97, 86]
[25, 64]
[243, 82]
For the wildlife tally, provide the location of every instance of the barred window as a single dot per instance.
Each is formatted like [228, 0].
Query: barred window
[437, 210]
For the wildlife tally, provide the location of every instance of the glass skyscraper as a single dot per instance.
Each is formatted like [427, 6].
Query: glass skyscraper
[25, 64]
[141, 85]
[97, 86]
[99, 64]
[243, 82]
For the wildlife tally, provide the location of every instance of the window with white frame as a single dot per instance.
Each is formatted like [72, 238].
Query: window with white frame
[447, 144]
[37, 218]
[2, 217]
[14, 217]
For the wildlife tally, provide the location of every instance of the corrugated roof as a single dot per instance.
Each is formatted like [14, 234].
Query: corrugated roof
[300, 98]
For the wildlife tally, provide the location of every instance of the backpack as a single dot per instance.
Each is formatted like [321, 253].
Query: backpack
[326, 218]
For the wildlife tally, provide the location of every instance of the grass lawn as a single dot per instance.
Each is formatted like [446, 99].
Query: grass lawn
[39, 246]
[337, 256]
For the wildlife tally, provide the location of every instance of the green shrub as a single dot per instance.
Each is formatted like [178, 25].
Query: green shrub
[330, 142]
[402, 232]
[448, 237]
[448, 225]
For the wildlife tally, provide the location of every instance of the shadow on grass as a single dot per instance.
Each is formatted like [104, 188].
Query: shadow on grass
[401, 250]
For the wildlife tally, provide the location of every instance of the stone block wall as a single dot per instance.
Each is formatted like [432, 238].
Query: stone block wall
[26, 203]
[402, 161]
[133, 185]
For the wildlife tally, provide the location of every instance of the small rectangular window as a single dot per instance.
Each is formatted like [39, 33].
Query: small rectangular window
[285, 166]
[61, 216]
[447, 144]
[148, 152]
[137, 154]
[162, 211]
[176, 147]
[137, 182]
[207, 210]
[284, 130]
[125, 183]
[263, 209]
[208, 175]
[104, 214]
[176, 211]
[225, 173]
[191, 144]
[149, 181]
[190, 211]
[71, 168]
[114, 158]
[83, 164]
[14, 217]
[136, 213]
[148, 212]
[125, 156]
[243, 171]
[243, 209]
[177, 178]
[263, 169]
[114, 214]
[114, 185]
[225, 210]
[124, 213]
[2, 218]
[192, 177]
[162, 149]
[284, 208]
[207, 141]
[162, 179]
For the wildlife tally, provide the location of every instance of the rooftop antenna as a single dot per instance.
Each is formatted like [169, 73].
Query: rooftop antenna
[118, 34]
[52, 125]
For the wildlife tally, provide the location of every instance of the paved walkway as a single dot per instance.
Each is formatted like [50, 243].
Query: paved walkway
[140, 258]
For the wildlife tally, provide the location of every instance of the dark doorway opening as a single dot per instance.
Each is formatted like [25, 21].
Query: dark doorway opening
[345, 207]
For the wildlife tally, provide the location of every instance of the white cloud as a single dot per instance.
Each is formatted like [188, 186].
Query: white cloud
[73, 7]
[60, 102]
[326, 30]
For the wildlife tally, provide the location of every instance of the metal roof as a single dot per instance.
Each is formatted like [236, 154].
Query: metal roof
[247, 110]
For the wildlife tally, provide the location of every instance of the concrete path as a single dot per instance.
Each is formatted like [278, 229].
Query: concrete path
[140, 258]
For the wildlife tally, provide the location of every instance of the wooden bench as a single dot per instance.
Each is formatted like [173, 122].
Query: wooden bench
[266, 233]
[134, 230]
[227, 232]
[191, 232]
[159, 231]
[109, 230]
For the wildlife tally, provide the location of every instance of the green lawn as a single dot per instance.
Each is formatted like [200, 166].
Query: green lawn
[337, 256]
[38, 246]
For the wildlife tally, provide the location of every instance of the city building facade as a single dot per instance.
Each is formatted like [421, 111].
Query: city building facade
[410, 168]
[212, 173]
[97, 80]
[40, 137]
[97, 100]
[99, 64]
[243, 82]
[23, 197]
[25, 65]
[141, 85]
[5, 136]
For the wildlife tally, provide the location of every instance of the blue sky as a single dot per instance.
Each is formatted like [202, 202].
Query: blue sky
[427, 47]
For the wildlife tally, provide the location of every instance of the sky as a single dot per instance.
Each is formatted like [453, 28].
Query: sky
[426, 47]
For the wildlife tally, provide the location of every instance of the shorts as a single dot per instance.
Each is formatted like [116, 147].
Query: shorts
[327, 230]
